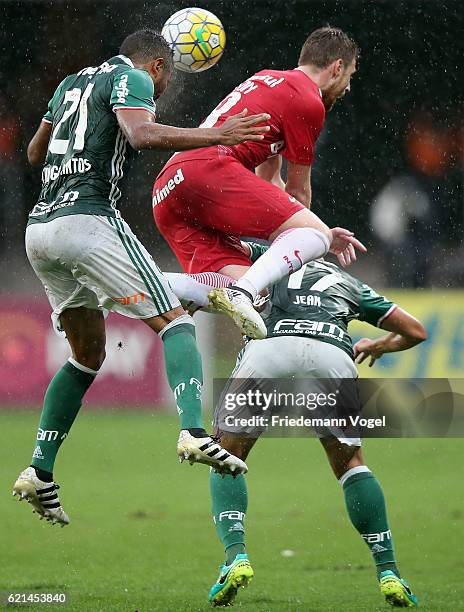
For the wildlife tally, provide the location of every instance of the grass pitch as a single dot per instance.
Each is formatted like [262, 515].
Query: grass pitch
[141, 536]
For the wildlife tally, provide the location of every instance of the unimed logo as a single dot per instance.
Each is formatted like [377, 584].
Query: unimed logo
[166, 189]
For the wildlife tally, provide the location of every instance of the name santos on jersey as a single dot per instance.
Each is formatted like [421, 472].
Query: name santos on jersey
[76, 165]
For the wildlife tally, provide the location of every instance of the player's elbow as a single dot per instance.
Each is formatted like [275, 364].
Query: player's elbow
[421, 334]
[136, 139]
[147, 136]
[417, 333]
[134, 131]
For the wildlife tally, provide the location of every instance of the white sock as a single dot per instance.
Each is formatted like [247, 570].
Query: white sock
[287, 254]
[352, 472]
[195, 287]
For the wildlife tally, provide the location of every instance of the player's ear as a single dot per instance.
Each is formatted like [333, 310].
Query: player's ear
[157, 67]
[337, 68]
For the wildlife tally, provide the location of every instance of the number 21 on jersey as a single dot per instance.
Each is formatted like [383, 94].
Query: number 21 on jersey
[77, 101]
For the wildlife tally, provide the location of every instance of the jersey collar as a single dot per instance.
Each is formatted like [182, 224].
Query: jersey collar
[126, 60]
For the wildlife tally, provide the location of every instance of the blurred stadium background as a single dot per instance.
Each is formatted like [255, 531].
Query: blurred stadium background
[389, 165]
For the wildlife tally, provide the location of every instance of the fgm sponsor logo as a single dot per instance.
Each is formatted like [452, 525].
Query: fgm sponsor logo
[161, 194]
[47, 434]
[314, 328]
[373, 538]
[232, 515]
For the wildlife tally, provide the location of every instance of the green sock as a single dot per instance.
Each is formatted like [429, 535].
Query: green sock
[62, 402]
[185, 375]
[229, 504]
[365, 504]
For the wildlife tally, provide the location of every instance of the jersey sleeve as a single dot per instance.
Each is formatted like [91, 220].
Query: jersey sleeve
[302, 125]
[133, 89]
[374, 308]
[48, 117]
[53, 103]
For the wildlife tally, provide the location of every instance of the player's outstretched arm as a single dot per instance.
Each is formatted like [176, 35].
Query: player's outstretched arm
[143, 132]
[37, 148]
[405, 332]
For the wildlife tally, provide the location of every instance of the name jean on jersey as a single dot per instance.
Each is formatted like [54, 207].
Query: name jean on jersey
[75, 165]
[303, 326]
[307, 300]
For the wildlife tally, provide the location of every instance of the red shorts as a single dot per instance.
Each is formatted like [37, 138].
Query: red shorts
[203, 202]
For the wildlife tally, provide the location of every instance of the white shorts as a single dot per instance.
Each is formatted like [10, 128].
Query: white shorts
[289, 357]
[97, 262]
[293, 357]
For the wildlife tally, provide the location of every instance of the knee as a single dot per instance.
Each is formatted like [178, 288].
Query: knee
[304, 219]
[342, 457]
[91, 356]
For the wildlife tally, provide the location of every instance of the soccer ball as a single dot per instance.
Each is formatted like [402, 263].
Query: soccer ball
[197, 38]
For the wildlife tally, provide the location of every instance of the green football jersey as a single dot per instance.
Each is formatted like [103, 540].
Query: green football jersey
[319, 301]
[87, 151]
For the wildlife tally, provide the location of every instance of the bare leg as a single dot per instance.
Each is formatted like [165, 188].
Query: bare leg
[341, 456]
[85, 332]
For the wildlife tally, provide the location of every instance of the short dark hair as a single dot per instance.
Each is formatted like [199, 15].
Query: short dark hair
[145, 45]
[326, 45]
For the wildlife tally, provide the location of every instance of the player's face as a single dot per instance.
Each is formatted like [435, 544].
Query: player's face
[160, 76]
[340, 85]
[162, 83]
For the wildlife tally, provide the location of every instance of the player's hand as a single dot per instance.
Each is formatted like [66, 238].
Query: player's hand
[240, 127]
[344, 245]
[365, 348]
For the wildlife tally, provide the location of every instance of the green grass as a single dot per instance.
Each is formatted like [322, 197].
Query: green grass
[141, 537]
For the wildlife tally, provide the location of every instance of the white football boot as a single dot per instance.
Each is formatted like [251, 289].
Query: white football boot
[208, 451]
[237, 304]
[41, 495]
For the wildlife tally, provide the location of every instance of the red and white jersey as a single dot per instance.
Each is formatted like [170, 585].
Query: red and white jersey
[297, 113]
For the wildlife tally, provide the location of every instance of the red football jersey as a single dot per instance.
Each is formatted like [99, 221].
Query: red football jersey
[297, 115]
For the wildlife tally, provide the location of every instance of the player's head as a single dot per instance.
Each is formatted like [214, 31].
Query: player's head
[148, 50]
[333, 55]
